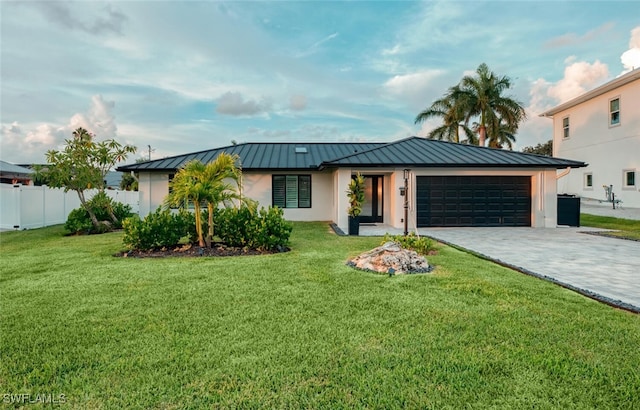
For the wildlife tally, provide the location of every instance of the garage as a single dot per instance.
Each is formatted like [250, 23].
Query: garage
[449, 201]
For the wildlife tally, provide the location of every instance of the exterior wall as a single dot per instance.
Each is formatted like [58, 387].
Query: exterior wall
[329, 199]
[154, 187]
[257, 186]
[609, 150]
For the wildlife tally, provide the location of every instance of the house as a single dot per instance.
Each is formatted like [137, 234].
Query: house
[14, 174]
[447, 184]
[601, 128]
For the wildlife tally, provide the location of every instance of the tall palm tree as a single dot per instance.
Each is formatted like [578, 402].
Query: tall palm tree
[452, 116]
[481, 96]
[502, 136]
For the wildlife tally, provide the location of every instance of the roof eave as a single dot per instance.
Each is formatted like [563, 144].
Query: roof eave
[605, 88]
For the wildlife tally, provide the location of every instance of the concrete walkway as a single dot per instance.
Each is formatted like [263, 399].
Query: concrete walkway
[606, 269]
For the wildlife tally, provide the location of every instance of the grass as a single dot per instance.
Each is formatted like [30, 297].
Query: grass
[623, 228]
[300, 330]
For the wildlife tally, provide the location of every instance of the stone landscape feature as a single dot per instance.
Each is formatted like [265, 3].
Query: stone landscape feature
[392, 259]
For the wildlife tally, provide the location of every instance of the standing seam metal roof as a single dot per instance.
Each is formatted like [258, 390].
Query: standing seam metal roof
[409, 152]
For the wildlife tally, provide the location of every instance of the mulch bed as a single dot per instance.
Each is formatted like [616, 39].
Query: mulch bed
[216, 250]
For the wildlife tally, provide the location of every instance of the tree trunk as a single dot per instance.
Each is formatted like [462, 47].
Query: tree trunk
[199, 224]
[482, 135]
[210, 221]
[87, 208]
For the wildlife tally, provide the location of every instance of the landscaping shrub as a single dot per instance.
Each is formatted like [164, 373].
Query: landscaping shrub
[265, 229]
[161, 228]
[79, 221]
[420, 244]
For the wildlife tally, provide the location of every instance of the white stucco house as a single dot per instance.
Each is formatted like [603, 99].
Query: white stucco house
[448, 184]
[601, 128]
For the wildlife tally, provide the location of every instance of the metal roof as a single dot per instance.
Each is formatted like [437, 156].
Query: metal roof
[409, 152]
[8, 168]
[263, 156]
[427, 153]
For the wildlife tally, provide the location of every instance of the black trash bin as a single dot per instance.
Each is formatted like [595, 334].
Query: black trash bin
[568, 210]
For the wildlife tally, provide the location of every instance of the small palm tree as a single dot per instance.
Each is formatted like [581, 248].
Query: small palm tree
[218, 182]
[188, 187]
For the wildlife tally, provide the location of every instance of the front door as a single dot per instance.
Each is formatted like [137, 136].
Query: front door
[372, 207]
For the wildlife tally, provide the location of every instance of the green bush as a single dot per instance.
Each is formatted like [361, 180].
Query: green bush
[420, 244]
[79, 221]
[159, 229]
[265, 229]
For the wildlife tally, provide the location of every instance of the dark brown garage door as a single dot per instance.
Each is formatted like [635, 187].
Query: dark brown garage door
[473, 201]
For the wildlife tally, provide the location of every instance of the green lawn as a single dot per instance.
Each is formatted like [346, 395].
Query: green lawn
[300, 330]
[623, 228]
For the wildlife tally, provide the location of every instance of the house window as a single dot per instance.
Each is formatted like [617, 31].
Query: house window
[565, 127]
[588, 180]
[629, 178]
[292, 191]
[614, 111]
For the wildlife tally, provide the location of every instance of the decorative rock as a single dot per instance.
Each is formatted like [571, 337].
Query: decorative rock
[392, 259]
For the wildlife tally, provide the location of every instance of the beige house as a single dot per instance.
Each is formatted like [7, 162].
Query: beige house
[447, 184]
[601, 128]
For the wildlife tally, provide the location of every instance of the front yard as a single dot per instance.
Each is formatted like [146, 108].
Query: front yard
[300, 329]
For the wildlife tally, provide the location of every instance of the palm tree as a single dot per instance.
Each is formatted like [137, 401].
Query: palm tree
[503, 136]
[210, 185]
[188, 187]
[452, 116]
[482, 96]
[225, 180]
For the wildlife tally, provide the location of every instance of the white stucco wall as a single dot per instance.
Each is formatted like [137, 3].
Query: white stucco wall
[609, 150]
[329, 200]
[154, 187]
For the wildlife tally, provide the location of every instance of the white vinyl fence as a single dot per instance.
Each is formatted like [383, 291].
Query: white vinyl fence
[28, 207]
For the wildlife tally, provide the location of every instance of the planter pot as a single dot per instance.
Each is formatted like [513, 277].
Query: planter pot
[354, 225]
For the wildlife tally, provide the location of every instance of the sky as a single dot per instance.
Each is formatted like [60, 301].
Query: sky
[187, 76]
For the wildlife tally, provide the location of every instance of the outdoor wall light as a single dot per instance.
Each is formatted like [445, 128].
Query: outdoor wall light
[402, 191]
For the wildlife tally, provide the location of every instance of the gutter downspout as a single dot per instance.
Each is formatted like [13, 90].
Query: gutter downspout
[563, 173]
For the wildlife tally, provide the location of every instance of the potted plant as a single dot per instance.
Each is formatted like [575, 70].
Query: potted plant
[356, 199]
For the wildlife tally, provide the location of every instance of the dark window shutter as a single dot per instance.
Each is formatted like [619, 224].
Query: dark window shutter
[279, 191]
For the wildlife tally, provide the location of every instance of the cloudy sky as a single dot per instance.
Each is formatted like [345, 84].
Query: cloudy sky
[188, 76]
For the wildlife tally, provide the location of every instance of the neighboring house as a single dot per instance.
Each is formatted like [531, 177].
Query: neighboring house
[14, 174]
[601, 128]
[448, 184]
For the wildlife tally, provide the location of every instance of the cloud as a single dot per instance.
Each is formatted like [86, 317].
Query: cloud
[579, 77]
[298, 102]
[59, 13]
[316, 46]
[231, 103]
[631, 58]
[415, 88]
[571, 39]
[20, 146]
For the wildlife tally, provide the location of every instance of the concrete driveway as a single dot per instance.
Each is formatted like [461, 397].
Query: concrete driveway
[606, 269]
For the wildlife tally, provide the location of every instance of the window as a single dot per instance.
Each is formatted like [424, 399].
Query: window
[292, 191]
[614, 111]
[629, 178]
[565, 127]
[588, 180]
